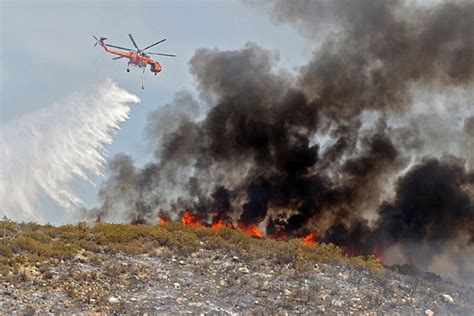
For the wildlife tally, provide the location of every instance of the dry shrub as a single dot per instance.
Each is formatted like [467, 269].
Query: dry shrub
[31, 242]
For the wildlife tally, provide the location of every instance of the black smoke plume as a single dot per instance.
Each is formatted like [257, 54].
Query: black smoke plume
[317, 149]
[432, 203]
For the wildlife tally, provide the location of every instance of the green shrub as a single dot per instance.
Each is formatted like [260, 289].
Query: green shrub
[5, 252]
[368, 262]
[214, 242]
[32, 242]
[58, 250]
[28, 244]
[119, 233]
[37, 235]
[7, 227]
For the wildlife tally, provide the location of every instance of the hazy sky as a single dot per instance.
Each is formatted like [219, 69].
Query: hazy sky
[47, 51]
[47, 48]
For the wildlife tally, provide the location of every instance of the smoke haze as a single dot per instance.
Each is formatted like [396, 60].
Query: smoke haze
[369, 143]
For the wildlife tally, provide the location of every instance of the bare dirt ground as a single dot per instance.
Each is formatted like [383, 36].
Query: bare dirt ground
[219, 281]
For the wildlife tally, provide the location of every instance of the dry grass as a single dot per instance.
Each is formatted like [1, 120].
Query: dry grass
[28, 243]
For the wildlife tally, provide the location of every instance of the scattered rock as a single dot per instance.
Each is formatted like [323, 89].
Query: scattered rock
[216, 282]
[244, 270]
[447, 298]
[336, 302]
[113, 300]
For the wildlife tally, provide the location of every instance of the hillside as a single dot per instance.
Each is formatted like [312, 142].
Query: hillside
[173, 268]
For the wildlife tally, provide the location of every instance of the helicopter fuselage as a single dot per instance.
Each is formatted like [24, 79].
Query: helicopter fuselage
[135, 59]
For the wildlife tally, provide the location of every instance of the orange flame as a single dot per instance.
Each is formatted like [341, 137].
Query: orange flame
[161, 220]
[251, 230]
[218, 224]
[190, 219]
[378, 256]
[309, 238]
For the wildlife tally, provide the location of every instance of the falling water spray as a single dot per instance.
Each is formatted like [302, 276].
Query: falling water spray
[45, 151]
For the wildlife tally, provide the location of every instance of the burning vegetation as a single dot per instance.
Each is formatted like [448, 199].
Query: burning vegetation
[26, 244]
[340, 148]
[189, 219]
[46, 269]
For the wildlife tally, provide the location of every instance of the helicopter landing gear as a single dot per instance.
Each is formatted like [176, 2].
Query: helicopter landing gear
[128, 70]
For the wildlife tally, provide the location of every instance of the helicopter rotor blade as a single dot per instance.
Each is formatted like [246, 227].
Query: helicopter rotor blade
[153, 45]
[98, 40]
[133, 41]
[117, 57]
[119, 47]
[161, 54]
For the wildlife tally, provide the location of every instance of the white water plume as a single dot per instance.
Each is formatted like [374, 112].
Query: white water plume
[46, 150]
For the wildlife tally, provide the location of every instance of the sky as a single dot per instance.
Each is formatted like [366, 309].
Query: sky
[47, 53]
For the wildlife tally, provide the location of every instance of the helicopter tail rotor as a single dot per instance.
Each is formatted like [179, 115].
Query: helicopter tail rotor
[98, 40]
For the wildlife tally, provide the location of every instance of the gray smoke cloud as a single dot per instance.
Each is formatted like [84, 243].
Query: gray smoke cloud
[370, 143]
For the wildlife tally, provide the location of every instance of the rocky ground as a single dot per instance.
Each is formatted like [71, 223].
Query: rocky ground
[216, 281]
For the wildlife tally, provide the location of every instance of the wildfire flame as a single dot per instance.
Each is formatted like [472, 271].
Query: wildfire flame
[378, 256]
[189, 219]
[309, 238]
[251, 230]
[218, 224]
[161, 220]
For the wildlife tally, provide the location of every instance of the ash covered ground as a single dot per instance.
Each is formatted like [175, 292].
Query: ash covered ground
[226, 283]
[173, 268]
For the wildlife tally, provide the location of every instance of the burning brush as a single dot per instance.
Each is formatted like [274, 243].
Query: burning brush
[189, 219]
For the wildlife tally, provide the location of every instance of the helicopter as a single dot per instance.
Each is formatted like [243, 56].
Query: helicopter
[136, 57]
